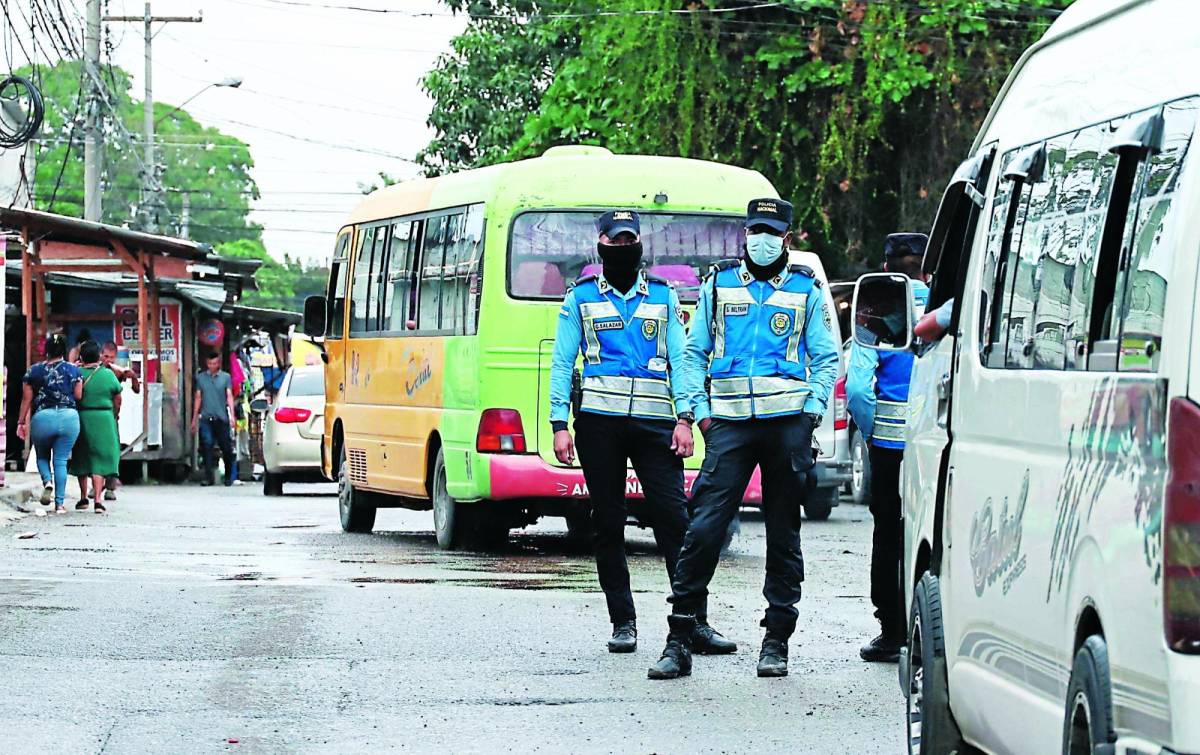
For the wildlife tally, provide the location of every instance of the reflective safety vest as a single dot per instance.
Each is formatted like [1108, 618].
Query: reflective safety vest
[625, 362]
[892, 377]
[758, 357]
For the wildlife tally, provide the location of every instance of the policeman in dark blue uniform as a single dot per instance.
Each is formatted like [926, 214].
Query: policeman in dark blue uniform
[877, 397]
[634, 409]
[762, 335]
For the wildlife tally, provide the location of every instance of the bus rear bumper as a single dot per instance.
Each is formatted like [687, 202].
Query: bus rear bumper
[528, 476]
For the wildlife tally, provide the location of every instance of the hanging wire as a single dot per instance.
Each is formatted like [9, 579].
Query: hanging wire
[19, 122]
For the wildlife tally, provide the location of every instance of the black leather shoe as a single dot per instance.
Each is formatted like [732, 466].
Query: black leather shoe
[676, 659]
[773, 658]
[708, 641]
[624, 637]
[882, 649]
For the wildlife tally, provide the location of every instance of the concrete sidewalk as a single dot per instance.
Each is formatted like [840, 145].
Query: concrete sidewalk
[20, 494]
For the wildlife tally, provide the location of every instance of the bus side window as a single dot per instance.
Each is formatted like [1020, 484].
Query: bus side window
[471, 267]
[398, 280]
[375, 294]
[432, 257]
[361, 284]
[453, 300]
[336, 295]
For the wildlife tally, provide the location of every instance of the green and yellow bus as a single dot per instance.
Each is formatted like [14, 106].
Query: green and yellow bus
[439, 323]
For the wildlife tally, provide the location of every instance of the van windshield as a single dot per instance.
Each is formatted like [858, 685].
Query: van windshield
[551, 249]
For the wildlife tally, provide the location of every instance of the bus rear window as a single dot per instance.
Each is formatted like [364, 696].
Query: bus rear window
[551, 249]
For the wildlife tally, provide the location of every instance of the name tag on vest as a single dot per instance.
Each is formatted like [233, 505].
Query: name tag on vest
[609, 325]
[737, 309]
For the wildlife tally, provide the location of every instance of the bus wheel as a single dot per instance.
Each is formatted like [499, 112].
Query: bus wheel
[1088, 727]
[355, 514]
[449, 520]
[931, 726]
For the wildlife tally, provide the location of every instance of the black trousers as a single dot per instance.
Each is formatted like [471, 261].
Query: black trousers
[606, 444]
[887, 542]
[782, 448]
[216, 432]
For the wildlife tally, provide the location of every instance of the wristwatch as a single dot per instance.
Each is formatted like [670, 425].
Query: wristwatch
[687, 417]
[814, 418]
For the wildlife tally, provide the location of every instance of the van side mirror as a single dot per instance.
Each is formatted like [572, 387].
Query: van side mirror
[883, 312]
[315, 316]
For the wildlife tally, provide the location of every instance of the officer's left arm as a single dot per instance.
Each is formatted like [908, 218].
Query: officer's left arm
[822, 353]
[676, 355]
[860, 387]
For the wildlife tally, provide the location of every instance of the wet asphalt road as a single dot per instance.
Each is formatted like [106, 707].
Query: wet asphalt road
[202, 620]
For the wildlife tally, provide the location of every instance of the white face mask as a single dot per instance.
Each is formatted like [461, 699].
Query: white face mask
[763, 248]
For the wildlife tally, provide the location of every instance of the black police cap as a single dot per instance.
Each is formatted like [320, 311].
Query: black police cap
[773, 213]
[614, 222]
[904, 244]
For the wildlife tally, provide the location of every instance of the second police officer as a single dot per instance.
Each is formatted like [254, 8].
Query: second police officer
[763, 336]
[877, 397]
[633, 409]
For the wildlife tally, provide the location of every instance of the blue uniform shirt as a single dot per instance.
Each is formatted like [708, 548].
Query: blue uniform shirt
[820, 348]
[861, 378]
[569, 342]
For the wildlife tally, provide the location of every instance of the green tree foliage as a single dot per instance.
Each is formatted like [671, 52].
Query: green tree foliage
[281, 285]
[857, 111]
[210, 168]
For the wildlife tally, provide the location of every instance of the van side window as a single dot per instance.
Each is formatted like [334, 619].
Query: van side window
[398, 280]
[336, 295]
[953, 236]
[1148, 254]
[1038, 231]
[432, 256]
[361, 284]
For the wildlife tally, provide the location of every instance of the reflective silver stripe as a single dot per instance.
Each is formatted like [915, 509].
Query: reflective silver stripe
[887, 431]
[598, 309]
[738, 386]
[731, 408]
[726, 295]
[590, 311]
[896, 410]
[788, 300]
[651, 311]
[627, 386]
[782, 403]
[767, 385]
[605, 402]
[652, 408]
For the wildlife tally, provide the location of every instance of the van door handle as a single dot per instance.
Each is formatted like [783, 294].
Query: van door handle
[943, 395]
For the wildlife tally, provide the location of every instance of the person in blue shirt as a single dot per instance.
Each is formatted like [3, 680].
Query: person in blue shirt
[633, 408]
[762, 336]
[877, 397]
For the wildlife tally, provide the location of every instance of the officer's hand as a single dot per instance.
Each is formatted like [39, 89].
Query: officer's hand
[681, 440]
[703, 425]
[564, 447]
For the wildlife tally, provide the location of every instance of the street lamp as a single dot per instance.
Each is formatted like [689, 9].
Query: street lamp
[233, 82]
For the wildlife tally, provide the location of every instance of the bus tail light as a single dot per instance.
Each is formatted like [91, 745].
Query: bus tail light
[289, 414]
[500, 431]
[841, 420]
[1181, 529]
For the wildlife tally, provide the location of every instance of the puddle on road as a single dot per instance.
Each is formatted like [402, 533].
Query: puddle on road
[499, 583]
[247, 576]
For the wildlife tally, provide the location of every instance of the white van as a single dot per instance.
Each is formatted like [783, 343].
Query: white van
[1052, 471]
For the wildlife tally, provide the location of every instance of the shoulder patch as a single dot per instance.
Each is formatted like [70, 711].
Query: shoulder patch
[583, 279]
[803, 270]
[659, 279]
[726, 264]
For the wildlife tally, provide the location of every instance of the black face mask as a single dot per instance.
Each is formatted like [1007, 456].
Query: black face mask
[621, 263]
[767, 272]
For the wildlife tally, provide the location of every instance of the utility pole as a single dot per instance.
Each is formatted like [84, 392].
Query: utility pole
[91, 144]
[185, 215]
[152, 192]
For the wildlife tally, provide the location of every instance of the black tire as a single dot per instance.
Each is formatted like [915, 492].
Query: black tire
[1088, 726]
[272, 484]
[860, 477]
[356, 513]
[930, 723]
[450, 523]
[820, 503]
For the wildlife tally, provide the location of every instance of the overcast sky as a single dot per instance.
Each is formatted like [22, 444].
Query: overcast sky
[325, 76]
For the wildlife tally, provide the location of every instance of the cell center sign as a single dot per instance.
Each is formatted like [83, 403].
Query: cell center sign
[128, 338]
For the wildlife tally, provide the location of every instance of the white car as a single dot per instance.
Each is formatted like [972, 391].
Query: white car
[292, 430]
[1051, 473]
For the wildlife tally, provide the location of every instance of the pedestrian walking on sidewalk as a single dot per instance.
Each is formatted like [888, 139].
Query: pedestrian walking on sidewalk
[631, 409]
[50, 391]
[212, 417]
[98, 451]
[763, 335]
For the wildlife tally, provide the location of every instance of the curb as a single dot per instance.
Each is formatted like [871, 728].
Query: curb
[19, 500]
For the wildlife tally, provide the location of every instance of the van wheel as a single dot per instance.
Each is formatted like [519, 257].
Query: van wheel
[860, 471]
[355, 513]
[931, 726]
[449, 519]
[1088, 726]
[820, 503]
[272, 484]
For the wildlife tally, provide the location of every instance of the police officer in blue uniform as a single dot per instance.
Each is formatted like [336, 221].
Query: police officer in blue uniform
[634, 408]
[762, 336]
[877, 397]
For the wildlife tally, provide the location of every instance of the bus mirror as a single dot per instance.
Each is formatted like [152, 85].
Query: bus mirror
[883, 312]
[315, 310]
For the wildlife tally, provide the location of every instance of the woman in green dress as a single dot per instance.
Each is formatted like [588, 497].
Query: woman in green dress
[97, 453]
